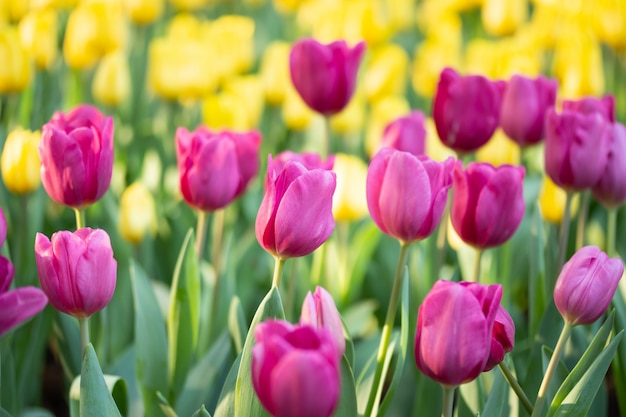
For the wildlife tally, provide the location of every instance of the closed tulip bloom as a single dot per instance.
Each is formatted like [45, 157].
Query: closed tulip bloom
[586, 284]
[38, 34]
[349, 202]
[310, 160]
[524, 106]
[488, 203]
[295, 216]
[77, 270]
[501, 18]
[466, 110]
[319, 310]
[454, 330]
[215, 167]
[406, 133]
[605, 106]
[325, 75]
[143, 12]
[577, 148]
[111, 82]
[295, 370]
[76, 152]
[610, 190]
[15, 73]
[20, 161]
[406, 194]
[137, 213]
[502, 338]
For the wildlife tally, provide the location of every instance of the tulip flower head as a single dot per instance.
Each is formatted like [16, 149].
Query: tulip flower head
[406, 133]
[586, 284]
[325, 75]
[502, 338]
[610, 190]
[605, 106]
[319, 310]
[77, 270]
[20, 161]
[310, 160]
[76, 152]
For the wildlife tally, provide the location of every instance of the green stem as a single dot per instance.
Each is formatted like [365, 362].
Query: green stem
[394, 300]
[343, 238]
[582, 219]
[216, 257]
[80, 218]
[479, 257]
[554, 361]
[611, 224]
[564, 232]
[448, 401]
[510, 378]
[84, 333]
[441, 240]
[200, 233]
[278, 271]
[326, 146]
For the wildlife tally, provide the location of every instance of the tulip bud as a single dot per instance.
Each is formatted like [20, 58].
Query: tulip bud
[488, 203]
[137, 213]
[502, 338]
[77, 270]
[295, 216]
[310, 160]
[38, 34]
[14, 77]
[143, 12]
[319, 310]
[610, 190]
[406, 194]
[586, 284]
[325, 75]
[111, 83]
[76, 152]
[605, 106]
[349, 201]
[406, 133]
[20, 161]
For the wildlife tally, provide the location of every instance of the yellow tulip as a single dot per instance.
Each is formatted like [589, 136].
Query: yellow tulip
[20, 161]
[401, 14]
[111, 83]
[287, 6]
[381, 114]
[351, 118]
[237, 107]
[232, 39]
[482, 56]
[137, 213]
[552, 201]
[578, 66]
[349, 202]
[15, 70]
[500, 150]
[435, 149]
[386, 72]
[190, 5]
[14, 10]
[295, 113]
[503, 17]
[275, 72]
[249, 89]
[609, 22]
[143, 12]
[38, 34]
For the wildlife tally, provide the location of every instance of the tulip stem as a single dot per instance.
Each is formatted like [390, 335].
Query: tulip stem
[448, 401]
[216, 258]
[278, 271]
[479, 257]
[326, 148]
[611, 224]
[80, 218]
[510, 378]
[200, 234]
[582, 220]
[394, 300]
[564, 232]
[441, 241]
[84, 333]
[554, 360]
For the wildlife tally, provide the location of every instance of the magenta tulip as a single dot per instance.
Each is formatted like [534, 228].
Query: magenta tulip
[295, 216]
[215, 167]
[502, 338]
[586, 285]
[407, 194]
[76, 152]
[466, 110]
[524, 106]
[77, 270]
[319, 310]
[295, 370]
[610, 190]
[406, 133]
[605, 106]
[487, 204]
[454, 330]
[310, 160]
[325, 75]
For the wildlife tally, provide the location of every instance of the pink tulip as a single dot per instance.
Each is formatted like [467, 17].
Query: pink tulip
[588, 105]
[502, 338]
[524, 105]
[488, 203]
[586, 285]
[406, 194]
[319, 310]
[76, 152]
[610, 190]
[310, 160]
[454, 330]
[215, 167]
[325, 75]
[77, 270]
[466, 110]
[295, 370]
[295, 216]
[406, 133]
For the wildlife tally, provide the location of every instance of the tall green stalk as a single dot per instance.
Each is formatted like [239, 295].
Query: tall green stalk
[84, 333]
[510, 378]
[583, 212]
[279, 265]
[200, 234]
[611, 224]
[564, 232]
[80, 218]
[479, 257]
[448, 401]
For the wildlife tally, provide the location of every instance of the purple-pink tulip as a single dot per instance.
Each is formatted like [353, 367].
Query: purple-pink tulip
[524, 106]
[406, 133]
[454, 330]
[215, 167]
[610, 190]
[319, 310]
[295, 216]
[586, 285]
[502, 338]
[488, 203]
[605, 106]
[77, 270]
[466, 110]
[76, 152]
[295, 370]
[407, 194]
[325, 75]
[310, 160]
[577, 148]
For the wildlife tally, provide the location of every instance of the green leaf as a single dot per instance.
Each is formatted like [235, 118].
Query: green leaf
[68, 337]
[116, 386]
[428, 397]
[347, 406]
[536, 282]
[202, 412]
[619, 361]
[365, 241]
[4, 413]
[237, 324]
[497, 404]
[165, 406]
[184, 315]
[226, 403]
[95, 397]
[35, 412]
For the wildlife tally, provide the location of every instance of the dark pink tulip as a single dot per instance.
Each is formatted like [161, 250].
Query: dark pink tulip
[406, 133]
[6, 267]
[577, 148]
[215, 167]
[325, 75]
[310, 160]
[76, 152]
[454, 330]
[19, 305]
[586, 284]
[295, 216]
[588, 105]
[406, 194]
[610, 190]
[77, 270]
[502, 338]
[466, 110]
[295, 370]
[524, 105]
[319, 310]
[488, 203]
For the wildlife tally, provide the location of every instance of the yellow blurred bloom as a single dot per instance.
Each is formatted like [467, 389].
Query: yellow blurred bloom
[578, 66]
[137, 213]
[351, 118]
[435, 149]
[295, 113]
[287, 6]
[386, 72]
[499, 150]
[14, 10]
[381, 114]
[111, 83]
[15, 70]
[144, 12]
[552, 201]
[482, 57]
[190, 5]
[401, 13]
[609, 21]
[349, 202]
[274, 72]
[38, 34]
[232, 39]
[237, 107]
[503, 17]
[20, 161]
[500, 59]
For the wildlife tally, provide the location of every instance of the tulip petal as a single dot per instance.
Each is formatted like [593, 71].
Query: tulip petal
[6, 274]
[19, 305]
[374, 184]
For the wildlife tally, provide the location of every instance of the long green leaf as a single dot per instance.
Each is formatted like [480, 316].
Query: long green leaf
[497, 404]
[116, 386]
[202, 412]
[237, 324]
[226, 403]
[95, 397]
[347, 406]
